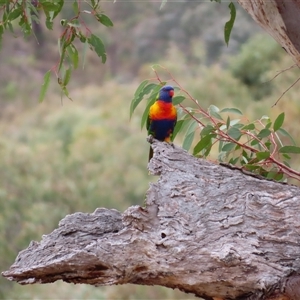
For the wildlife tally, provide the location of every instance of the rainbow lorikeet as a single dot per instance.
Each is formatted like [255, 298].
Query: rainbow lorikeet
[162, 117]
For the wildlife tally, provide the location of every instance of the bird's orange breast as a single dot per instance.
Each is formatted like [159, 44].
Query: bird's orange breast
[161, 110]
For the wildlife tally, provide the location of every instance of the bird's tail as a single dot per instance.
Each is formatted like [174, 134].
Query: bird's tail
[150, 153]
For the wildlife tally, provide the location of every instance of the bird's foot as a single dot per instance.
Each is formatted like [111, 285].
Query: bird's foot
[150, 139]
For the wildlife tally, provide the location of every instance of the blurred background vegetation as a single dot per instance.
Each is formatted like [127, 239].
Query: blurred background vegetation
[60, 157]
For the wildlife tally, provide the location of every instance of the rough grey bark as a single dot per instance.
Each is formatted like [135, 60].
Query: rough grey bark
[281, 19]
[206, 229]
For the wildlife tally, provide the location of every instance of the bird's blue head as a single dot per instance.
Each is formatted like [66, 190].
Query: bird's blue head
[166, 93]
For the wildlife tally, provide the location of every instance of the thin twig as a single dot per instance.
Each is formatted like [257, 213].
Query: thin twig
[282, 71]
[285, 92]
[191, 115]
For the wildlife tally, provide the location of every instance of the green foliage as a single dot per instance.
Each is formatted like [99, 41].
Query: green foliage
[75, 29]
[255, 146]
[278, 122]
[97, 45]
[289, 149]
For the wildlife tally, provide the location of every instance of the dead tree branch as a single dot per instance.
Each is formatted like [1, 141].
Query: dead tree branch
[205, 229]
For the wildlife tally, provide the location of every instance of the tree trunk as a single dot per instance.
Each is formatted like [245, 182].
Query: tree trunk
[281, 19]
[205, 229]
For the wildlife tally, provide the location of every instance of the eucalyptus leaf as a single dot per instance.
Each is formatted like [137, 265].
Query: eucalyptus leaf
[264, 133]
[229, 25]
[188, 140]
[214, 112]
[228, 147]
[178, 99]
[285, 133]
[289, 149]
[45, 86]
[234, 133]
[279, 121]
[231, 110]
[262, 155]
[203, 143]
[98, 46]
[250, 126]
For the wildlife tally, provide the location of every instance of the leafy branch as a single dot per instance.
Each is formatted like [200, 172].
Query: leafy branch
[74, 29]
[255, 146]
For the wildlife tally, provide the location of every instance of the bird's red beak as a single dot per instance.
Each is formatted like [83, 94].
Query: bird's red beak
[171, 93]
